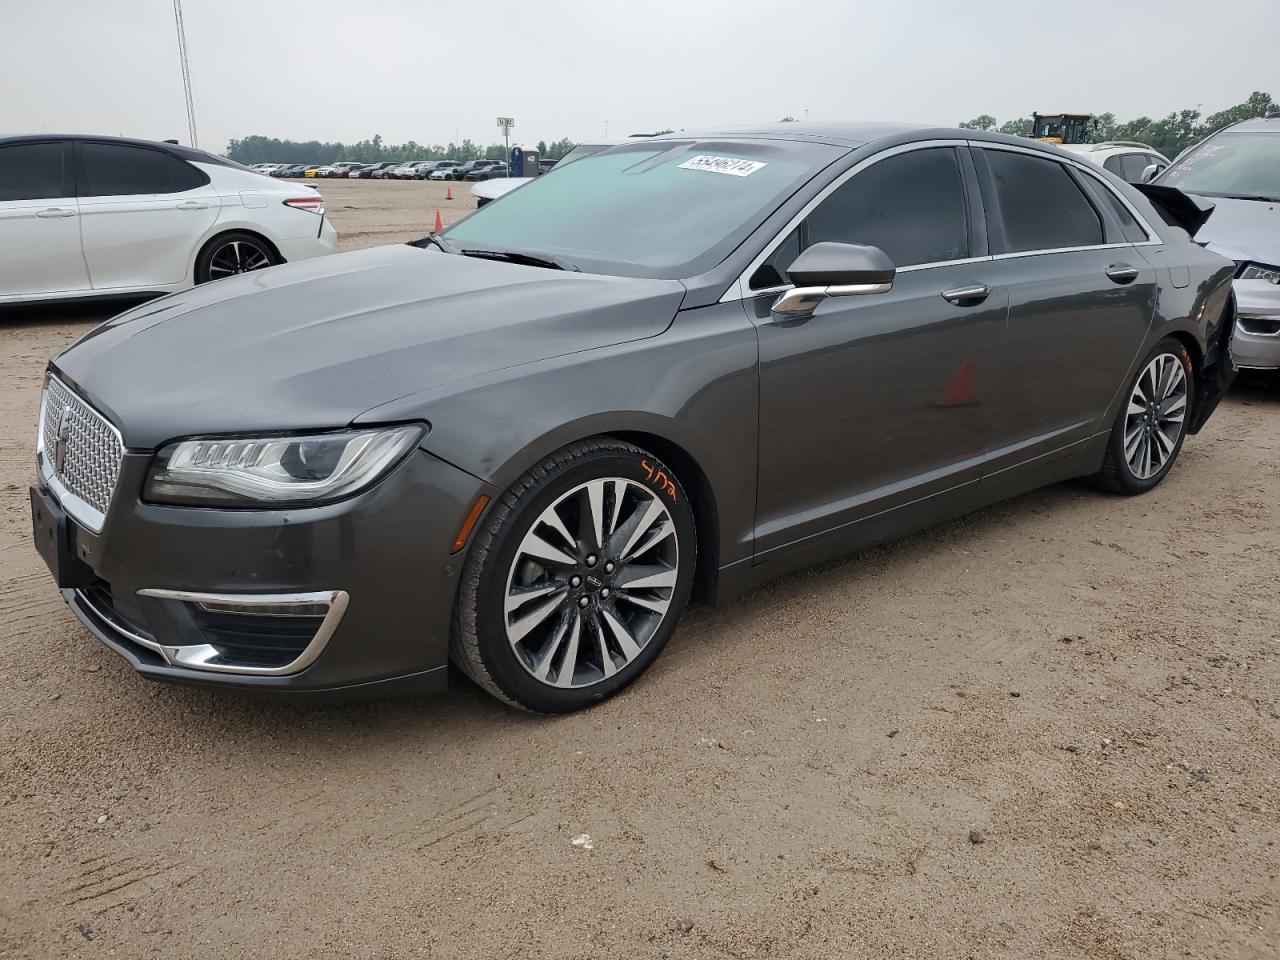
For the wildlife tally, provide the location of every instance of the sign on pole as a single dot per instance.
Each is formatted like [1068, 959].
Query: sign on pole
[505, 124]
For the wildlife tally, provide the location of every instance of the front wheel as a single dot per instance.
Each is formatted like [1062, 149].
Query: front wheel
[576, 579]
[1152, 423]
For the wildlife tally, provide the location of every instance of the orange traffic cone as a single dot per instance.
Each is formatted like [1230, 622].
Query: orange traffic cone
[439, 222]
[960, 391]
[448, 194]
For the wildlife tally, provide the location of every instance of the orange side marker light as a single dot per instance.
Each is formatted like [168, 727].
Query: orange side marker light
[473, 517]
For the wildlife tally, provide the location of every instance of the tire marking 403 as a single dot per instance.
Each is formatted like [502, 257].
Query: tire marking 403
[658, 477]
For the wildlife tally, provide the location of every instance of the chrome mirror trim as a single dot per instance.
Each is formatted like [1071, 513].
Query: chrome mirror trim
[800, 301]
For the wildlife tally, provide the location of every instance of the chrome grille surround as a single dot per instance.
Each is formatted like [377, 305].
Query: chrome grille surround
[90, 459]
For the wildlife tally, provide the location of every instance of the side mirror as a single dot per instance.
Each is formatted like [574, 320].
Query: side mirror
[834, 270]
[1151, 171]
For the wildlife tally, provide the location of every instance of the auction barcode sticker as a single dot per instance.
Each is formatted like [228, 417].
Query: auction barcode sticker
[730, 165]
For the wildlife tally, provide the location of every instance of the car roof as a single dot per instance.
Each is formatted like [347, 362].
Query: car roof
[177, 149]
[1256, 125]
[850, 134]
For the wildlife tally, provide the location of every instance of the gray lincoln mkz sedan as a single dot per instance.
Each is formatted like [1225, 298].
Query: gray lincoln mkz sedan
[680, 366]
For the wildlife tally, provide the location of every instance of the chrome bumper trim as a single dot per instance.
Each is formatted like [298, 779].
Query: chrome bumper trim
[198, 656]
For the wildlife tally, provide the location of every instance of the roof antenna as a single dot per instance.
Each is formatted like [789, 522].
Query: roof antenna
[186, 71]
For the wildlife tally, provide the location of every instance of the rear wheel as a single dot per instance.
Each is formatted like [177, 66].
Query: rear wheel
[1151, 425]
[576, 579]
[233, 253]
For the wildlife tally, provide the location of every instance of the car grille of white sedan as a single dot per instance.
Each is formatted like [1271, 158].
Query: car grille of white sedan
[79, 453]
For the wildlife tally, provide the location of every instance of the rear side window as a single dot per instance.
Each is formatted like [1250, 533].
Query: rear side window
[1040, 205]
[121, 170]
[33, 171]
[1129, 227]
[911, 206]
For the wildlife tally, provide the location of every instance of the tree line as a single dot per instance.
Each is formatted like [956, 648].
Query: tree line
[260, 149]
[1170, 135]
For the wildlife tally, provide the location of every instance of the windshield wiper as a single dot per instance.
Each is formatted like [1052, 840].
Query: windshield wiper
[516, 256]
[442, 243]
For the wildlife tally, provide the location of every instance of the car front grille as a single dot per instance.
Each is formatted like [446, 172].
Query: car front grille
[80, 450]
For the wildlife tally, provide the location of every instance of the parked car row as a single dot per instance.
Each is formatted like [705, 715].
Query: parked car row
[389, 170]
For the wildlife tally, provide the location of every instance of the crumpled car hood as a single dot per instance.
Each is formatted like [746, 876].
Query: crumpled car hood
[314, 344]
[1243, 230]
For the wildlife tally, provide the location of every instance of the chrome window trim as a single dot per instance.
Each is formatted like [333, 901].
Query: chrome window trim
[740, 289]
[79, 509]
[196, 656]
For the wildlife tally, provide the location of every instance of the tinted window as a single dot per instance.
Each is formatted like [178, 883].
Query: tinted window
[1129, 226]
[1115, 164]
[115, 170]
[911, 206]
[1040, 205]
[32, 171]
[773, 272]
[183, 176]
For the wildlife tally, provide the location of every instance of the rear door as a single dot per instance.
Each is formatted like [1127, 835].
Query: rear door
[143, 212]
[1082, 299]
[39, 221]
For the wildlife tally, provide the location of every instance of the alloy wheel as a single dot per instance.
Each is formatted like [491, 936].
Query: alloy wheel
[591, 582]
[237, 256]
[1155, 418]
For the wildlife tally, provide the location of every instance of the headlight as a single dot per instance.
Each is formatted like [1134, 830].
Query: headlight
[1260, 271]
[275, 471]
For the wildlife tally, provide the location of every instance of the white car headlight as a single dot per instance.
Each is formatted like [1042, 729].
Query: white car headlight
[1260, 271]
[276, 471]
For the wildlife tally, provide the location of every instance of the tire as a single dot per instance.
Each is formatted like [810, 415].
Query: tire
[544, 652]
[1152, 423]
[230, 253]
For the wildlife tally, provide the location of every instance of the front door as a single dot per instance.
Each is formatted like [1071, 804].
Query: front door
[879, 401]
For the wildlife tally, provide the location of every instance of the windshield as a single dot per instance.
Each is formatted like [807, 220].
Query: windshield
[666, 209]
[1230, 165]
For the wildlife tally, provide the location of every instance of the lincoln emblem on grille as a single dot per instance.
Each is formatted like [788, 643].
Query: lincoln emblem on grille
[60, 443]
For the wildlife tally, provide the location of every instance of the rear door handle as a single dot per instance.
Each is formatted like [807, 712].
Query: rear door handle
[193, 205]
[50, 212]
[968, 295]
[1122, 273]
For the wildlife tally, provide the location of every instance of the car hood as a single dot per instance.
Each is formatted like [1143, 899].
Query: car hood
[313, 345]
[1243, 230]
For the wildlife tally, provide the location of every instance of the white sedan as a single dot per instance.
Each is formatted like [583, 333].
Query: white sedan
[105, 216]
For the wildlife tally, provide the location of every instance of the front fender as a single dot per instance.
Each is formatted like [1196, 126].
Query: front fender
[693, 386]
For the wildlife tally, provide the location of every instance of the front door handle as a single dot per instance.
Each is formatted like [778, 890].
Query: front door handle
[1122, 273]
[968, 295]
[50, 212]
[193, 205]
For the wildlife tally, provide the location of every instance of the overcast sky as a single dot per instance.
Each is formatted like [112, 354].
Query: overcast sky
[429, 70]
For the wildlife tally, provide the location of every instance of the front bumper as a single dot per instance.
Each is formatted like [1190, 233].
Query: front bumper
[377, 567]
[1256, 339]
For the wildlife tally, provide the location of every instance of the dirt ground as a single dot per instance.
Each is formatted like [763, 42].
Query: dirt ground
[1050, 729]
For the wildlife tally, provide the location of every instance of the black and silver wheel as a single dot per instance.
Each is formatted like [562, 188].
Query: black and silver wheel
[1151, 426]
[576, 579]
[233, 253]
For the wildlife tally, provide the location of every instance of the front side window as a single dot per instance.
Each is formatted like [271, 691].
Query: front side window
[1245, 165]
[121, 170]
[32, 171]
[911, 206]
[666, 209]
[1040, 205]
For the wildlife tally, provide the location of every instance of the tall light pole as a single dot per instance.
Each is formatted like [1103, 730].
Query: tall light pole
[186, 71]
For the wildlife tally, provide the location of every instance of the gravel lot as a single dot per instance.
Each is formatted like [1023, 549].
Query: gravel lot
[1050, 729]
